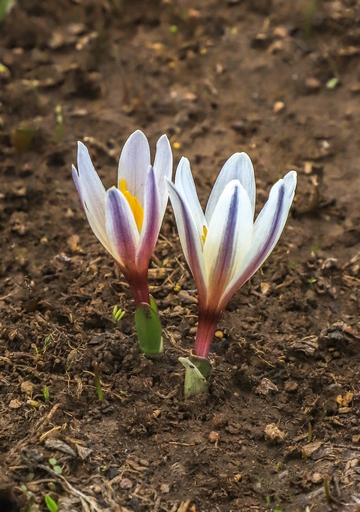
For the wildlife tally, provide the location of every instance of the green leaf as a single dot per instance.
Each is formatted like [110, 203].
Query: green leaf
[332, 83]
[51, 504]
[148, 328]
[195, 382]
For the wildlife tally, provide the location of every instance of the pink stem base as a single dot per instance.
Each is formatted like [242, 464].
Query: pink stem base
[207, 323]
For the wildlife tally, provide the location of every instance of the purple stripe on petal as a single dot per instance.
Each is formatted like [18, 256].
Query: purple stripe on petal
[223, 263]
[152, 220]
[121, 228]
[272, 235]
[261, 247]
[190, 241]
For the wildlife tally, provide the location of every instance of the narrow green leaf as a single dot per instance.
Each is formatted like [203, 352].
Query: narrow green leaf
[148, 328]
[51, 504]
[195, 382]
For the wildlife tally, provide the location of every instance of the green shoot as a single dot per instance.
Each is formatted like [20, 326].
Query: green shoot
[310, 433]
[22, 137]
[5, 6]
[46, 394]
[51, 504]
[327, 488]
[55, 466]
[332, 83]
[117, 314]
[148, 328]
[59, 132]
[195, 376]
[97, 381]
[309, 17]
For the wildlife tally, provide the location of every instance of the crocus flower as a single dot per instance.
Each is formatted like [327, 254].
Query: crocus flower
[224, 247]
[126, 219]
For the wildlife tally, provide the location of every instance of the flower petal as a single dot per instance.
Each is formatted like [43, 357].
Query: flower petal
[152, 220]
[237, 167]
[189, 238]
[228, 239]
[267, 230]
[134, 163]
[184, 182]
[121, 228]
[92, 194]
[163, 165]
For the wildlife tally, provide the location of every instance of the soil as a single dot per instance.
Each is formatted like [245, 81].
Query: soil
[280, 428]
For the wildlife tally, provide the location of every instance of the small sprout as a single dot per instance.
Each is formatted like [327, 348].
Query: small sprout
[327, 488]
[195, 376]
[46, 394]
[148, 328]
[278, 466]
[51, 504]
[55, 466]
[21, 138]
[304, 455]
[117, 314]
[309, 17]
[312, 280]
[310, 433]
[59, 132]
[5, 6]
[332, 83]
[173, 29]
[97, 381]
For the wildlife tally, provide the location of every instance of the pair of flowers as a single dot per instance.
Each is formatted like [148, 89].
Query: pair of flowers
[223, 246]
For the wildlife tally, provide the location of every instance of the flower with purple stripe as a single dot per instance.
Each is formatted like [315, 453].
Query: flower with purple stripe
[224, 247]
[126, 219]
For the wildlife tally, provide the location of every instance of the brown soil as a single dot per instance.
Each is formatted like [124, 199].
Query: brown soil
[282, 416]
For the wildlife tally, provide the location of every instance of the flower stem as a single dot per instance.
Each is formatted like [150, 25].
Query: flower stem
[207, 323]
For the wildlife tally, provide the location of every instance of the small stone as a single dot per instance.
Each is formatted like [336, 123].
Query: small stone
[14, 404]
[219, 420]
[279, 106]
[214, 437]
[273, 433]
[27, 387]
[291, 386]
[165, 488]
[126, 483]
[312, 83]
[317, 478]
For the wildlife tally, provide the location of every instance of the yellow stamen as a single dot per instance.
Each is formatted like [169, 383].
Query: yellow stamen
[203, 236]
[134, 204]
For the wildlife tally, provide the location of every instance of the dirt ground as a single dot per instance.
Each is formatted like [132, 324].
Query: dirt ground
[280, 429]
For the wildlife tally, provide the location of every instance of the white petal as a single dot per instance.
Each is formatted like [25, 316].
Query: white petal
[92, 194]
[184, 182]
[267, 230]
[134, 164]
[163, 165]
[237, 167]
[190, 240]
[228, 239]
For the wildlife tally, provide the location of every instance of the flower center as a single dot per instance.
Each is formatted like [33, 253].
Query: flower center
[134, 204]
